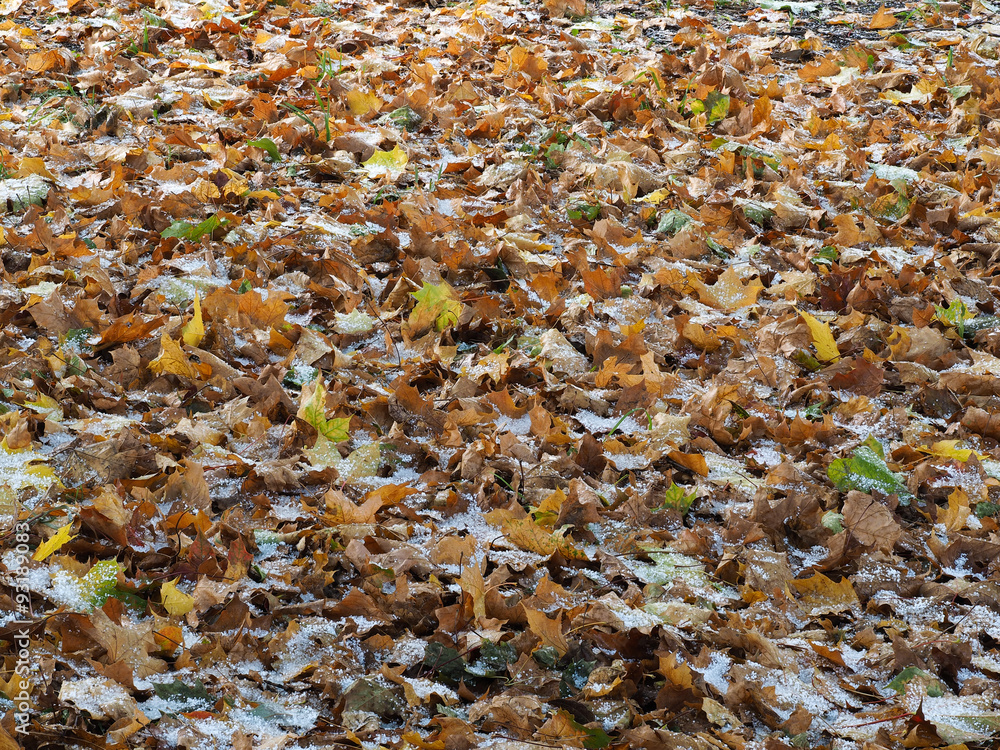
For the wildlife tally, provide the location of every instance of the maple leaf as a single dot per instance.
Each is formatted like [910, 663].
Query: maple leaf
[361, 103]
[822, 336]
[173, 360]
[437, 307]
[728, 292]
[54, 542]
[127, 329]
[176, 602]
[312, 410]
[388, 164]
[528, 535]
[129, 643]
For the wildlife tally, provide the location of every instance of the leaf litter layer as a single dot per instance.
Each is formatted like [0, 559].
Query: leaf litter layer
[500, 375]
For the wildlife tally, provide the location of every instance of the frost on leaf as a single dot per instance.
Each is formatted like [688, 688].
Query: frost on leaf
[866, 470]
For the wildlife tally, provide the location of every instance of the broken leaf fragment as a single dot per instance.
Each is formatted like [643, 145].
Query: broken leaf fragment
[194, 331]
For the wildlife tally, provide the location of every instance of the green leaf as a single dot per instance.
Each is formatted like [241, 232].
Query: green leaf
[795, 8]
[312, 410]
[833, 521]
[405, 118]
[182, 691]
[757, 212]
[677, 499]
[717, 107]
[576, 674]
[963, 719]
[806, 359]
[100, 582]
[389, 164]
[445, 662]
[986, 509]
[814, 412]
[596, 738]
[583, 211]
[673, 221]
[898, 683]
[194, 232]
[493, 659]
[17, 194]
[980, 323]
[866, 470]
[266, 144]
[825, 256]
[547, 656]
[954, 315]
[437, 307]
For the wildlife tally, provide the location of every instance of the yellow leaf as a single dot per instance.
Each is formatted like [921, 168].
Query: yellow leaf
[175, 601]
[549, 632]
[33, 165]
[473, 583]
[528, 535]
[194, 331]
[205, 191]
[547, 512]
[728, 292]
[950, 449]
[656, 197]
[819, 595]
[822, 336]
[48, 406]
[437, 306]
[362, 463]
[361, 104]
[958, 511]
[263, 195]
[172, 360]
[54, 542]
[389, 164]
